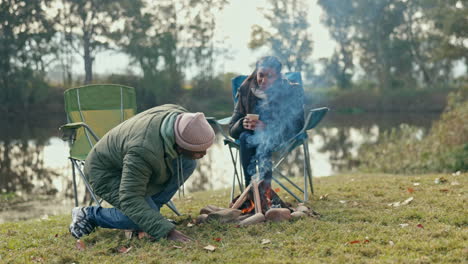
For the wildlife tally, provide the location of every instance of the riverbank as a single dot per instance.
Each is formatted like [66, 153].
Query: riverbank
[360, 222]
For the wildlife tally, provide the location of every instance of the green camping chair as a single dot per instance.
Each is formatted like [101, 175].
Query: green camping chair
[300, 140]
[92, 110]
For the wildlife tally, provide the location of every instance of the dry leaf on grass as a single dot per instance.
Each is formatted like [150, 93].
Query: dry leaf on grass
[189, 225]
[210, 248]
[217, 239]
[124, 249]
[177, 247]
[266, 241]
[80, 245]
[324, 197]
[359, 241]
[405, 202]
[420, 226]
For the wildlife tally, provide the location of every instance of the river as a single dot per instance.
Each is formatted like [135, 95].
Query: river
[34, 164]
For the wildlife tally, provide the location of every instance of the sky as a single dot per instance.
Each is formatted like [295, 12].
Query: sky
[233, 27]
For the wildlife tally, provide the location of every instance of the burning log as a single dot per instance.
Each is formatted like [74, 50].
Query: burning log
[259, 196]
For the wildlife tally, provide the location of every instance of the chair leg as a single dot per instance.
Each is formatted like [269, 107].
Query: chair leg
[308, 166]
[75, 192]
[88, 187]
[306, 193]
[287, 190]
[235, 175]
[172, 206]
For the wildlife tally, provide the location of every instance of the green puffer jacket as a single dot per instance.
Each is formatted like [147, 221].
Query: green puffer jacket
[129, 163]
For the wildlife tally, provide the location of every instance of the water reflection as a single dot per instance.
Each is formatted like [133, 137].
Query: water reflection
[33, 159]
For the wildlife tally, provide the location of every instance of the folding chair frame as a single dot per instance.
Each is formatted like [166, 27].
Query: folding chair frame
[301, 138]
[69, 133]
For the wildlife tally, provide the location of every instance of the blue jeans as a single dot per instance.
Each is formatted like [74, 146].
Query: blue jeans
[114, 218]
[250, 158]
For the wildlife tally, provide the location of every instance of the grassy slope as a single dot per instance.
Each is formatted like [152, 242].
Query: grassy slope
[439, 208]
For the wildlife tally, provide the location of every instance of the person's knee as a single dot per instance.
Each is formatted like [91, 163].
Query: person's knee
[244, 136]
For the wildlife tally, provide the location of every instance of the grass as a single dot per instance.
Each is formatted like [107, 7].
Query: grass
[356, 209]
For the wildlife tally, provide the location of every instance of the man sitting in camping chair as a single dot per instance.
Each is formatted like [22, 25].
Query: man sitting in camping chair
[136, 168]
[269, 111]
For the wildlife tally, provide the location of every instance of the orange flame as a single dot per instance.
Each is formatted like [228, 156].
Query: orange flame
[268, 196]
[249, 209]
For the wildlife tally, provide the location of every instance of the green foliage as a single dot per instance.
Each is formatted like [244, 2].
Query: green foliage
[168, 38]
[397, 43]
[87, 24]
[289, 38]
[25, 32]
[405, 150]
[355, 209]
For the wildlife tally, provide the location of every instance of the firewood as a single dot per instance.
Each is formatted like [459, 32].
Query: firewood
[257, 201]
[242, 198]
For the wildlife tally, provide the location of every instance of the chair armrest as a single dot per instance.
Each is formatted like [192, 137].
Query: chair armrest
[219, 123]
[314, 117]
[69, 130]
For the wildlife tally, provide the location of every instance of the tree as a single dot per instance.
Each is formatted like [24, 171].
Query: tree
[87, 24]
[289, 38]
[399, 43]
[25, 32]
[166, 39]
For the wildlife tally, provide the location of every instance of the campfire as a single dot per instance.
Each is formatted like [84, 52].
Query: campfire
[258, 197]
[257, 203]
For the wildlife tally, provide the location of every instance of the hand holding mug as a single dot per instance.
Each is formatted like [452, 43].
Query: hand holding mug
[250, 121]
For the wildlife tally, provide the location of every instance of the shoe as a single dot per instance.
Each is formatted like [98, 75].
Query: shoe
[81, 224]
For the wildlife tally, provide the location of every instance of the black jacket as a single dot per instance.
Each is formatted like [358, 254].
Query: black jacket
[285, 104]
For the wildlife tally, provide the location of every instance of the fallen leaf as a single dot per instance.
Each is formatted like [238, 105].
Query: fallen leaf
[416, 184]
[342, 201]
[217, 239]
[56, 235]
[210, 248]
[80, 245]
[403, 225]
[410, 190]
[444, 190]
[266, 241]
[366, 241]
[420, 226]
[277, 190]
[394, 204]
[37, 259]
[455, 183]
[324, 197]
[124, 250]
[440, 180]
[391, 243]
[178, 247]
[354, 242]
[407, 201]
[189, 225]
[143, 234]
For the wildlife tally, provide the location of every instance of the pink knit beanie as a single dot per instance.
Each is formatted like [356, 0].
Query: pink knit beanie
[192, 132]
